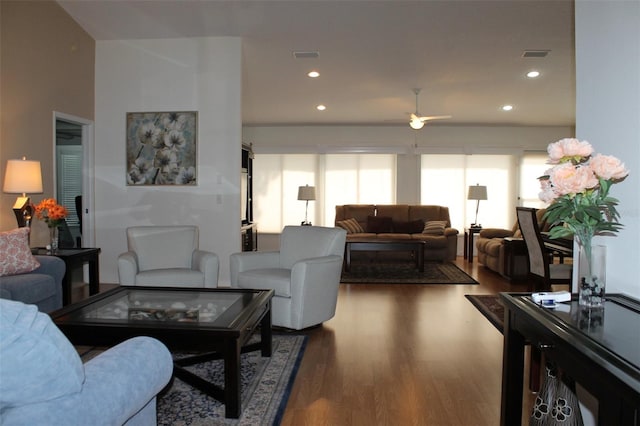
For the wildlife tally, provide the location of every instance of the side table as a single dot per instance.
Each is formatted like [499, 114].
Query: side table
[516, 262]
[74, 258]
[468, 241]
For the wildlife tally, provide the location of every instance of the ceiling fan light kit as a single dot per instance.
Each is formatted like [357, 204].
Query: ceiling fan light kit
[417, 121]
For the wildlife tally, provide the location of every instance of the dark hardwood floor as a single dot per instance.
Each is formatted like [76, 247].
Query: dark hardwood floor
[402, 355]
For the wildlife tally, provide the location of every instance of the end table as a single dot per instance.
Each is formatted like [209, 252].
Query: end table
[73, 258]
[468, 241]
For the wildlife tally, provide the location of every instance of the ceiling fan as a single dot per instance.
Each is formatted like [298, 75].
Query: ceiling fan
[417, 121]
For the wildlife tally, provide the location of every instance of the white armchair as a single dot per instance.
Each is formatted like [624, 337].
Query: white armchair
[167, 256]
[305, 274]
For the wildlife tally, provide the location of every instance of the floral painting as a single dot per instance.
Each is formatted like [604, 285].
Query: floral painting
[161, 148]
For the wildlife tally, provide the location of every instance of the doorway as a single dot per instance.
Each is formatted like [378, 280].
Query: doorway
[73, 177]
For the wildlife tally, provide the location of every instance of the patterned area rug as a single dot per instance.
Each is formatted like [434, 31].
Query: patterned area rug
[373, 272]
[490, 306]
[265, 388]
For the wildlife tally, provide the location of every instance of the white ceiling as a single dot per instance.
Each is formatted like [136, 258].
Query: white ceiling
[465, 55]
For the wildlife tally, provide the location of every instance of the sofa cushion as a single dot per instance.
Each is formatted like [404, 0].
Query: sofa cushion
[379, 224]
[38, 362]
[434, 227]
[350, 225]
[15, 254]
[411, 227]
[397, 212]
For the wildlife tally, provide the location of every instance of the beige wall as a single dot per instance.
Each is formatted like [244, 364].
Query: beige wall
[46, 65]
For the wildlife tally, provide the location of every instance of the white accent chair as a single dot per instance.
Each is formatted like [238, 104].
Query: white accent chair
[305, 274]
[167, 256]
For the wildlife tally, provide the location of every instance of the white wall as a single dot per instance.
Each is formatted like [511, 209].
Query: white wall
[608, 116]
[195, 74]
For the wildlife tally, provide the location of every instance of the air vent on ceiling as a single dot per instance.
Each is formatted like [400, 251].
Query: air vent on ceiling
[535, 53]
[306, 54]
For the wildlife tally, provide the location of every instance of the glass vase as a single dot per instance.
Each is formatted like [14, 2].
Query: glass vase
[592, 277]
[53, 238]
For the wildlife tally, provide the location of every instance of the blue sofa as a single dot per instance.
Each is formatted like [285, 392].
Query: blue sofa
[44, 382]
[41, 287]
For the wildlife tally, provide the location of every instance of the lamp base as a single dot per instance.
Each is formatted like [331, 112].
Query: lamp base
[305, 223]
[475, 226]
[23, 211]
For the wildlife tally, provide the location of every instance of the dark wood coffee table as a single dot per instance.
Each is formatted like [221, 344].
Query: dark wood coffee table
[217, 323]
[365, 244]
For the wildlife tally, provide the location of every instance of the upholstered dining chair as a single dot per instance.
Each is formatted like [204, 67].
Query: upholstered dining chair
[546, 275]
[305, 274]
[167, 256]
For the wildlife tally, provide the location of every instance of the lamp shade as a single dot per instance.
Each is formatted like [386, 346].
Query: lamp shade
[22, 176]
[477, 192]
[306, 193]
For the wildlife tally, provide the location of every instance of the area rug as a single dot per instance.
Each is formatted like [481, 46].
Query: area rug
[373, 272]
[265, 388]
[489, 305]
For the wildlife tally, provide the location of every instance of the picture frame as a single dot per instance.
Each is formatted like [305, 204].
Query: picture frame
[161, 148]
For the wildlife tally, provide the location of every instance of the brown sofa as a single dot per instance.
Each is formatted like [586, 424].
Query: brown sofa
[491, 250]
[402, 221]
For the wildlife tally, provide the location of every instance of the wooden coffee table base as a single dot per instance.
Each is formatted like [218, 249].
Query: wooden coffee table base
[416, 246]
[230, 394]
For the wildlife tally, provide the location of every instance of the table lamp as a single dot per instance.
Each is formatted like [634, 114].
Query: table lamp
[306, 193]
[22, 177]
[477, 193]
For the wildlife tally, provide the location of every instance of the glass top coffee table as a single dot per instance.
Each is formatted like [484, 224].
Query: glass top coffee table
[218, 323]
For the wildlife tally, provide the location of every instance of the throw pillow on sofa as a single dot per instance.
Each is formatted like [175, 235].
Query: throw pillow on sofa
[350, 225]
[379, 224]
[434, 227]
[411, 227]
[15, 253]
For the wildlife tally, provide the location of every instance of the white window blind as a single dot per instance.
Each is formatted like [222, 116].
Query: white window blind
[69, 179]
[445, 179]
[338, 178]
[532, 166]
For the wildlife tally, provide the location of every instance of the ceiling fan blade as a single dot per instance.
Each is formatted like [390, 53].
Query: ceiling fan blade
[435, 117]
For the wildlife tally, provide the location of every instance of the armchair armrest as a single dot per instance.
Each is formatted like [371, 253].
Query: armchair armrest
[50, 265]
[314, 289]
[451, 231]
[207, 263]
[495, 233]
[119, 383]
[239, 262]
[128, 268]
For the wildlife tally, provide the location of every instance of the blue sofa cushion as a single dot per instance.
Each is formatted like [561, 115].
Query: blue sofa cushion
[38, 362]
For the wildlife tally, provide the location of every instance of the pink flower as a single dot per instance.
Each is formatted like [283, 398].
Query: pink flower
[608, 167]
[569, 179]
[569, 149]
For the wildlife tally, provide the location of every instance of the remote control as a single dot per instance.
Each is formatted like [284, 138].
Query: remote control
[550, 298]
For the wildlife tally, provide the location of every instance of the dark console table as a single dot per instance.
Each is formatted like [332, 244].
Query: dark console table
[599, 349]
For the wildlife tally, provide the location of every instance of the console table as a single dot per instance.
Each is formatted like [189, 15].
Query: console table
[600, 349]
[74, 258]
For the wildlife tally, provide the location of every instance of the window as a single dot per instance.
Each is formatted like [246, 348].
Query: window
[532, 166]
[338, 178]
[445, 180]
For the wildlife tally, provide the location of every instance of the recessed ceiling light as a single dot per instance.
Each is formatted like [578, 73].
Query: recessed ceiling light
[507, 107]
[321, 107]
[533, 74]
[313, 74]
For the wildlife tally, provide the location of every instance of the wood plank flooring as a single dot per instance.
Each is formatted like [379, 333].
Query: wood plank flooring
[402, 355]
